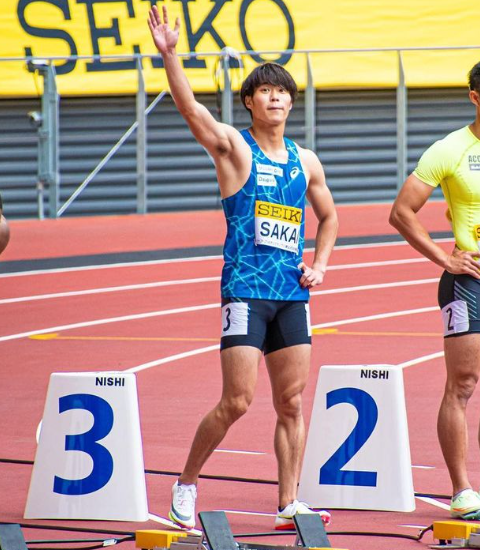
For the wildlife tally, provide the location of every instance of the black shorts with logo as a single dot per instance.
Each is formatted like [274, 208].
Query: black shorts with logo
[459, 300]
[268, 325]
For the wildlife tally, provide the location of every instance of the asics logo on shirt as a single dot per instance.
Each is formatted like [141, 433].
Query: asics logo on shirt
[294, 172]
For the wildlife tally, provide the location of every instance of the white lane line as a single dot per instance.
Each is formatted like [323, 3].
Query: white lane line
[373, 287]
[107, 266]
[180, 282]
[324, 325]
[382, 244]
[107, 321]
[375, 317]
[199, 308]
[193, 259]
[209, 306]
[377, 264]
[238, 452]
[434, 502]
[247, 513]
[165, 521]
[423, 467]
[171, 358]
[422, 359]
[109, 289]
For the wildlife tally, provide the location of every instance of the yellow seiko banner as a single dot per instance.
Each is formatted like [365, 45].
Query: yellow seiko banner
[70, 28]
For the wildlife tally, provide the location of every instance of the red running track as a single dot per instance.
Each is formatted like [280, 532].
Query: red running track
[47, 325]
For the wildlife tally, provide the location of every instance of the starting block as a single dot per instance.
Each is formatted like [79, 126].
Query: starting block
[151, 538]
[311, 531]
[89, 459]
[190, 542]
[174, 540]
[216, 529]
[357, 454]
[457, 534]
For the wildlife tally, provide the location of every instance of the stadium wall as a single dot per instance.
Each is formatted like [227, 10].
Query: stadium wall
[355, 140]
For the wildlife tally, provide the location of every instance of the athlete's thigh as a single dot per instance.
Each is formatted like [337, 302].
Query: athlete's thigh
[462, 356]
[239, 371]
[288, 370]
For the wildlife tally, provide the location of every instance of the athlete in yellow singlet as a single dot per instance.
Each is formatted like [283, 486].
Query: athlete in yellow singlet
[453, 163]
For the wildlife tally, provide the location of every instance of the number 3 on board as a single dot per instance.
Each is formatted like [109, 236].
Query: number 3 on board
[87, 443]
[331, 472]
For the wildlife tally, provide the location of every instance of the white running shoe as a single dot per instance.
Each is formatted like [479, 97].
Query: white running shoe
[182, 510]
[465, 505]
[284, 519]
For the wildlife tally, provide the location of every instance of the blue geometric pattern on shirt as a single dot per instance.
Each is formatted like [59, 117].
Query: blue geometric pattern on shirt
[262, 271]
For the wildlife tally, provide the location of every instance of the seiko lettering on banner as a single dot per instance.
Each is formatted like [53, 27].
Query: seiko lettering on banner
[67, 29]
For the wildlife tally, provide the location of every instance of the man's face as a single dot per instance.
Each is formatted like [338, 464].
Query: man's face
[269, 104]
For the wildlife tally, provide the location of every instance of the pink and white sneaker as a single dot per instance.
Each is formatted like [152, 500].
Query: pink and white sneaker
[284, 519]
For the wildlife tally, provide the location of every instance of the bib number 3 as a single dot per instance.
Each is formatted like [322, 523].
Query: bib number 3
[88, 443]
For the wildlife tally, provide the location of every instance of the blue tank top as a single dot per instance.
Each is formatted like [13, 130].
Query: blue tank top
[266, 229]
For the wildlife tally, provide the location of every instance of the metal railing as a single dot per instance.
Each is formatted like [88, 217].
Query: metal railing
[48, 128]
[48, 134]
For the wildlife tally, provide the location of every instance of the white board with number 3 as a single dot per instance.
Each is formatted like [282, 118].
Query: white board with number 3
[89, 460]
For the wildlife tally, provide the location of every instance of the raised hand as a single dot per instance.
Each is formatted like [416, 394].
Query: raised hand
[164, 37]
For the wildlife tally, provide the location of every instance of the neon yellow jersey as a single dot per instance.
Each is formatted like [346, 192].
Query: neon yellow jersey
[454, 163]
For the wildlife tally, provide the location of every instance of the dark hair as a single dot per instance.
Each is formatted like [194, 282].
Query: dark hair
[268, 73]
[474, 78]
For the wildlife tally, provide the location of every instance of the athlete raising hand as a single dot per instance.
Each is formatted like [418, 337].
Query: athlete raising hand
[264, 180]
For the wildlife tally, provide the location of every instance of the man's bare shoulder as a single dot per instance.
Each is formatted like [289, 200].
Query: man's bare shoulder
[310, 162]
[233, 133]
[235, 142]
[233, 161]
[307, 155]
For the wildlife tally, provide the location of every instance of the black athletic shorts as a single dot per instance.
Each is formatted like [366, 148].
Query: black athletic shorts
[459, 300]
[268, 325]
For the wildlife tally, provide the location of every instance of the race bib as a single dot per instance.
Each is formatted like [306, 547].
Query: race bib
[455, 318]
[277, 225]
[235, 319]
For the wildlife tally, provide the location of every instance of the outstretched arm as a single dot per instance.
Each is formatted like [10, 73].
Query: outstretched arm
[214, 136]
[322, 203]
[403, 217]
[229, 150]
